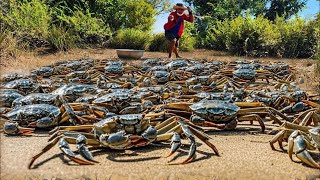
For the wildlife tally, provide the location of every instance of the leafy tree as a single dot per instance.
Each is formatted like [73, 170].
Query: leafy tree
[283, 8]
[227, 9]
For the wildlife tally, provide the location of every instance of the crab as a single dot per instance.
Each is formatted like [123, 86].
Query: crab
[149, 63]
[246, 74]
[123, 132]
[37, 98]
[73, 91]
[36, 115]
[117, 68]
[7, 96]
[115, 101]
[11, 77]
[24, 85]
[300, 136]
[173, 65]
[45, 71]
[47, 116]
[223, 114]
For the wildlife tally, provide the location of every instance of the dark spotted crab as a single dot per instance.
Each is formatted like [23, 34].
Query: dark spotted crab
[123, 132]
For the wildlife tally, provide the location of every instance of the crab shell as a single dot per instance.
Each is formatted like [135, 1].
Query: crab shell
[173, 65]
[246, 74]
[161, 76]
[33, 112]
[35, 98]
[25, 85]
[8, 96]
[215, 110]
[74, 91]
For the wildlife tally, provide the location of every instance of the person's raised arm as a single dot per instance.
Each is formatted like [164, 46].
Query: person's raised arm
[190, 18]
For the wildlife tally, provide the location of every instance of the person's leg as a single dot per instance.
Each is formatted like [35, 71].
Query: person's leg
[172, 41]
[175, 49]
[171, 46]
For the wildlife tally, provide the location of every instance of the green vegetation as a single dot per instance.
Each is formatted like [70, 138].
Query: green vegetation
[159, 43]
[130, 39]
[254, 28]
[260, 37]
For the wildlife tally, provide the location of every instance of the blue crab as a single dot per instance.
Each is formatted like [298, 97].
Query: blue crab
[123, 132]
[73, 91]
[24, 85]
[223, 114]
[37, 98]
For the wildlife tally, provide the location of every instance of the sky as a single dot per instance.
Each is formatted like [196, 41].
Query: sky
[308, 12]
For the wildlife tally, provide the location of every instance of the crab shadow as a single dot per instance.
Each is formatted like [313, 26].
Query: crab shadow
[241, 129]
[132, 155]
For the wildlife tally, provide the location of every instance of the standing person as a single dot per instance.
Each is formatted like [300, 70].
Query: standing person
[174, 27]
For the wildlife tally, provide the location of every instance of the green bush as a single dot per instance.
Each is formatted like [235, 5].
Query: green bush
[217, 35]
[61, 39]
[90, 29]
[30, 18]
[159, 43]
[259, 36]
[188, 41]
[296, 40]
[130, 39]
[252, 36]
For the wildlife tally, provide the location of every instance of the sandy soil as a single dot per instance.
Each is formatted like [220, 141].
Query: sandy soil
[245, 152]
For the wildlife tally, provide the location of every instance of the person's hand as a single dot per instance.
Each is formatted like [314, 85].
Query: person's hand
[189, 9]
[170, 18]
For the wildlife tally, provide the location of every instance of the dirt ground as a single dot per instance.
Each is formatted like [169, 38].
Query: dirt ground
[245, 152]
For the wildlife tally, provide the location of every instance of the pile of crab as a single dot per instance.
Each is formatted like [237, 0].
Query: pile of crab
[112, 104]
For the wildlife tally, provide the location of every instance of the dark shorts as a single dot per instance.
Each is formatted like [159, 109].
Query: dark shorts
[170, 36]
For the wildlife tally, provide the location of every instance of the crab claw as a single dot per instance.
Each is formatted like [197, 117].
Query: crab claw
[41, 123]
[11, 128]
[175, 144]
[82, 149]
[299, 144]
[192, 151]
[64, 147]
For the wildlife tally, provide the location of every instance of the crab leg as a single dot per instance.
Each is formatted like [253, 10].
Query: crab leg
[82, 149]
[251, 117]
[85, 128]
[310, 103]
[63, 145]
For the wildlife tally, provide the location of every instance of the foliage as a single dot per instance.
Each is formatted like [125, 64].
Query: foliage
[8, 44]
[260, 37]
[298, 37]
[30, 18]
[119, 14]
[130, 39]
[188, 41]
[227, 9]
[89, 28]
[61, 39]
[140, 15]
[159, 43]
[283, 8]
